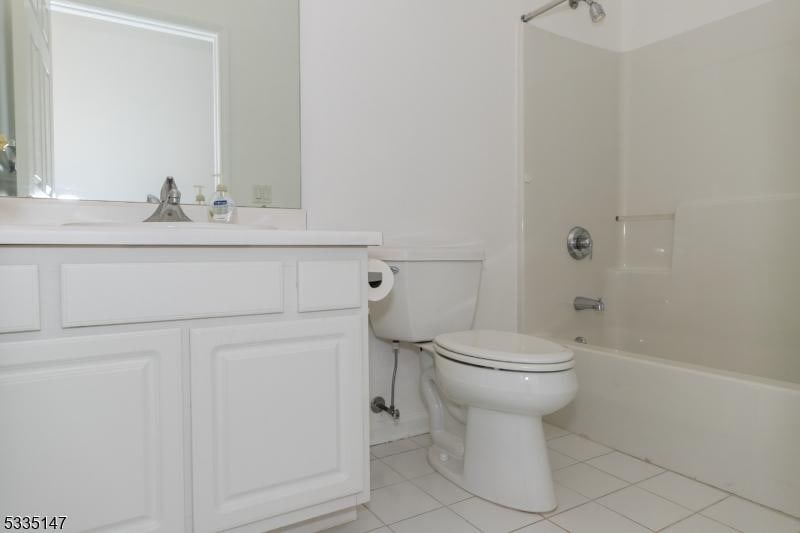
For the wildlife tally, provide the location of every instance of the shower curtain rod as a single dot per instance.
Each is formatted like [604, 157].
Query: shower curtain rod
[545, 8]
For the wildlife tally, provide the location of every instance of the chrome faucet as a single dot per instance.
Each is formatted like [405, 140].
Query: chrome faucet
[169, 205]
[582, 303]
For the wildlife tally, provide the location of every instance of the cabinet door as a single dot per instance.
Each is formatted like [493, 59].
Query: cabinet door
[277, 418]
[91, 430]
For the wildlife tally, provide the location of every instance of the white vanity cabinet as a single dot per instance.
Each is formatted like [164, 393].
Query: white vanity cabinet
[91, 430]
[277, 418]
[185, 388]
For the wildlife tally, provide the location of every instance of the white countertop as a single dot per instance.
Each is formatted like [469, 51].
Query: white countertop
[185, 234]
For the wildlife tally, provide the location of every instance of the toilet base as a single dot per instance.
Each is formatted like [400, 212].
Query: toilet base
[505, 461]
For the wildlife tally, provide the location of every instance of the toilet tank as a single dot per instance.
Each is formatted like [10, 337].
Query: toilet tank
[435, 291]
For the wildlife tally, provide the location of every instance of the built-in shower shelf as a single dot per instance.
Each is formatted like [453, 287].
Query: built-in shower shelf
[645, 218]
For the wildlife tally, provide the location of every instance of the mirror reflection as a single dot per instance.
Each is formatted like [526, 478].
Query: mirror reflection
[101, 99]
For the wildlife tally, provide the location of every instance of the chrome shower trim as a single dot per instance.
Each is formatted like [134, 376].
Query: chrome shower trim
[579, 243]
[544, 9]
[582, 303]
[596, 10]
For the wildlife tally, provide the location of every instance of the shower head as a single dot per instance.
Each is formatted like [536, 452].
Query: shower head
[596, 10]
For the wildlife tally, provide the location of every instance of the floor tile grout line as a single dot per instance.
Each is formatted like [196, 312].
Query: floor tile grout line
[544, 519]
[629, 484]
[469, 494]
[383, 524]
[691, 511]
[731, 494]
[400, 453]
[707, 507]
[559, 527]
[675, 523]
[727, 495]
[596, 500]
[465, 519]
[599, 470]
[696, 514]
[637, 458]
[390, 468]
[654, 494]
[541, 517]
[582, 460]
[625, 517]
[665, 470]
[390, 524]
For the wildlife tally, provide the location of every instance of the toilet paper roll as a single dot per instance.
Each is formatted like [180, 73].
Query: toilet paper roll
[380, 278]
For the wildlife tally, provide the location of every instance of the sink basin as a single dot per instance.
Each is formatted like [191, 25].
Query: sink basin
[167, 226]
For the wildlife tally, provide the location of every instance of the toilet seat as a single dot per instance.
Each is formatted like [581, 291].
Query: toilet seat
[504, 351]
[503, 365]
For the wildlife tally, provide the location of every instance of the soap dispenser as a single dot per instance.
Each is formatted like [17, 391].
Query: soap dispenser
[221, 207]
[199, 198]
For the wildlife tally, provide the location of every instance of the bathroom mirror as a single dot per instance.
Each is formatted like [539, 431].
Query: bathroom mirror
[101, 99]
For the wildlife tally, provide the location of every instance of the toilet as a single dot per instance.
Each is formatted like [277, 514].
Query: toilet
[486, 391]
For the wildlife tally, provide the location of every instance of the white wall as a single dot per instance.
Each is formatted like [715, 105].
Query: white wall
[408, 128]
[644, 22]
[409, 124]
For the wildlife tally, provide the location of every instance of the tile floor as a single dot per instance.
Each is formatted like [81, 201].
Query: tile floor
[599, 491]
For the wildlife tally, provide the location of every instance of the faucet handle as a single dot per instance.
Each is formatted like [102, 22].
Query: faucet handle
[169, 184]
[170, 194]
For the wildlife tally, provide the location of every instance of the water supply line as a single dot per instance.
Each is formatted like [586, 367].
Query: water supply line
[378, 402]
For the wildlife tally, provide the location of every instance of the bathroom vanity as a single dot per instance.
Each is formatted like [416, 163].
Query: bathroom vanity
[179, 379]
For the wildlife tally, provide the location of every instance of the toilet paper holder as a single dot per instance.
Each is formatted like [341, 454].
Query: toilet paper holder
[376, 278]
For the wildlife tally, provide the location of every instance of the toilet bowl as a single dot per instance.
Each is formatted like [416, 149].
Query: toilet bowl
[499, 385]
[485, 391]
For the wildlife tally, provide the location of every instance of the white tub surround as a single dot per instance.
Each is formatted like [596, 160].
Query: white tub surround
[184, 380]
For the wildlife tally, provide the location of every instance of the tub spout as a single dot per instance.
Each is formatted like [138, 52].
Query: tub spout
[582, 303]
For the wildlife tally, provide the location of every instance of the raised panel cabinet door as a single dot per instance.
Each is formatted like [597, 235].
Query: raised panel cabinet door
[277, 419]
[92, 430]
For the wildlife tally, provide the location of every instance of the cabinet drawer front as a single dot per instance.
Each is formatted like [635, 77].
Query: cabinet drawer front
[19, 287]
[328, 285]
[276, 418]
[124, 293]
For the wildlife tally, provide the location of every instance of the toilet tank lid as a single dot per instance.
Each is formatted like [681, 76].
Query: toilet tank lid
[427, 253]
[504, 346]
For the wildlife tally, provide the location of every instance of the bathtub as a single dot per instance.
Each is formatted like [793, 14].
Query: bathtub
[734, 431]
